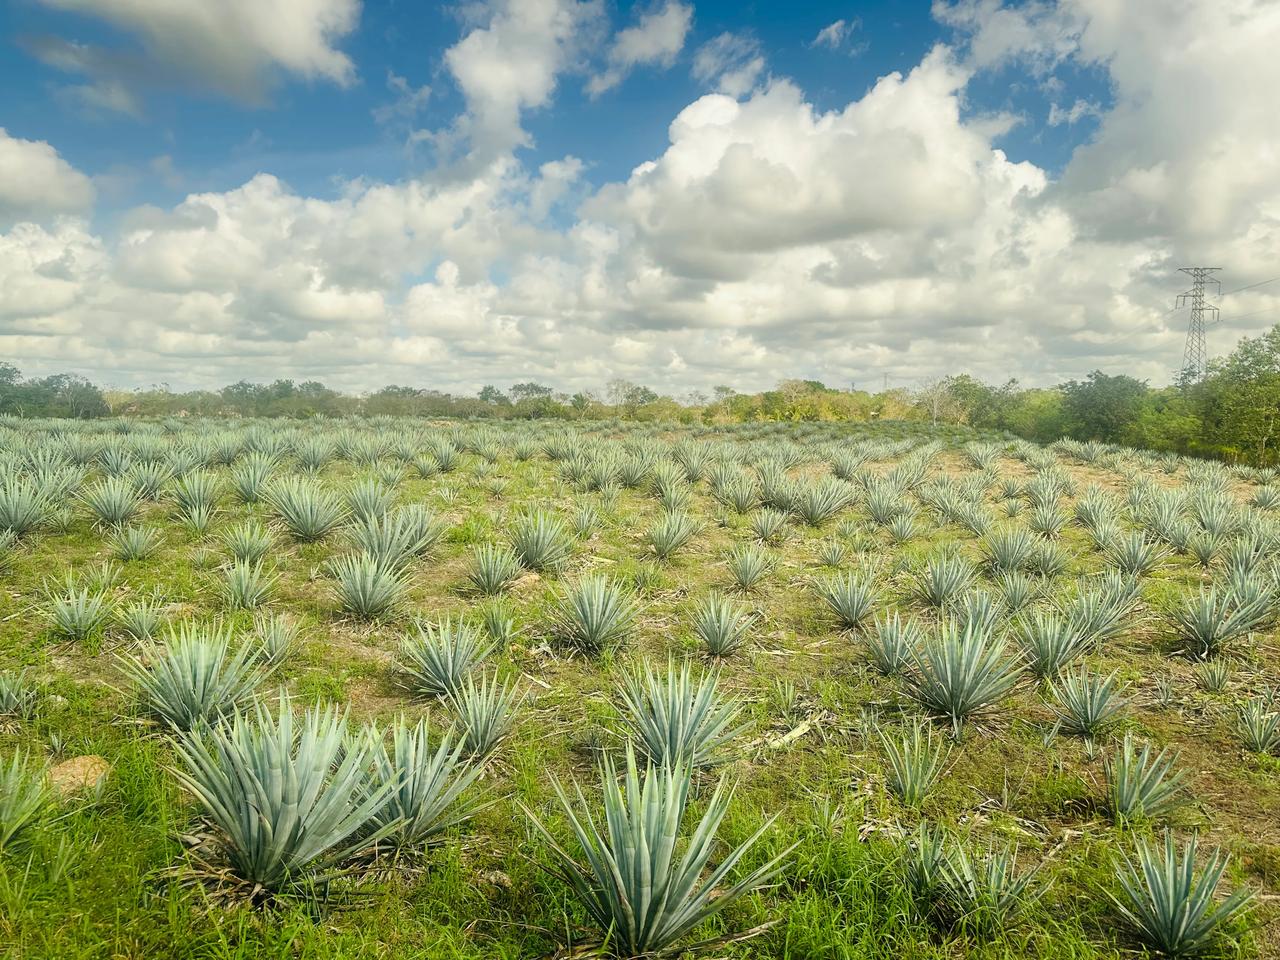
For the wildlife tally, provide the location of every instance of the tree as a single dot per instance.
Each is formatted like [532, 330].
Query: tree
[493, 396]
[529, 391]
[1103, 407]
[628, 395]
[1241, 398]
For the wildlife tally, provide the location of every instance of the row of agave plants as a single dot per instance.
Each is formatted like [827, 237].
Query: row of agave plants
[401, 791]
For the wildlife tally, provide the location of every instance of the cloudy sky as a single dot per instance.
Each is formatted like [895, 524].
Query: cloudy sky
[677, 192]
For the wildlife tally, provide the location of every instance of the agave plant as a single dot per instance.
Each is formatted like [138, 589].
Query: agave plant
[721, 624]
[131, 544]
[769, 525]
[486, 713]
[674, 720]
[1049, 642]
[141, 618]
[672, 531]
[367, 587]
[1213, 676]
[643, 887]
[307, 510]
[112, 500]
[24, 507]
[23, 797]
[595, 615]
[959, 673]
[1170, 904]
[399, 535]
[1134, 555]
[247, 542]
[1139, 784]
[916, 759]
[944, 578]
[247, 585]
[493, 567]
[819, 502]
[849, 596]
[78, 614]
[892, 644]
[427, 784]
[18, 695]
[276, 637]
[749, 564]
[291, 798]
[924, 862]
[194, 678]
[436, 658]
[1007, 549]
[540, 540]
[1211, 620]
[991, 891]
[1258, 727]
[1086, 703]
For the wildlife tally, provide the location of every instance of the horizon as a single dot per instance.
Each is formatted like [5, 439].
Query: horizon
[678, 194]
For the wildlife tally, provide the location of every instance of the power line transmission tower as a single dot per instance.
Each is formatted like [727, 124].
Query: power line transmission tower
[1194, 357]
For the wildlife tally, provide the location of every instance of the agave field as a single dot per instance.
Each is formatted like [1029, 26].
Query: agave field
[398, 688]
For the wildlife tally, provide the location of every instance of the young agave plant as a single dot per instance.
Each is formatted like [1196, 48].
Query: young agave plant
[1086, 703]
[924, 862]
[486, 713]
[850, 597]
[749, 564]
[1017, 591]
[493, 567]
[1170, 904]
[674, 721]
[79, 614]
[944, 578]
[276, 637]
[1211, 620]
[366, 587]
[1140, 785]
[307, 510]
[247, 585]
[892, 644]
[1213, 676]
[436, 658]
[140, 619]
[671, 532]
[1049, 643]
[112, 500]
[292, 798]
[247, 542]
[721, 624]
[990, 892]
[916, 759]
[540, 541]
[24, 794]
[959, 673]
[1134, 555]
[194, 678]
[18, 695]
[769, 525]
[1258, 727]
[426, 784]
[24, 507]
[596, 615]
[643, 887]
[398, 536]
[131, 544]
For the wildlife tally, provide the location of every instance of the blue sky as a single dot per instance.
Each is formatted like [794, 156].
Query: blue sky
[679, 192]
[312, 133]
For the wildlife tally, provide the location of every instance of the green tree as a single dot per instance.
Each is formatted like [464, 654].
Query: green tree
[1103, 407]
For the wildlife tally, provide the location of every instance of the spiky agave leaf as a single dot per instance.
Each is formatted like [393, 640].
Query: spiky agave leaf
[990, 891]
[248, 541]
[291, 798]
[748, 564]
[307, 510]
[194, 677]
[1086, 703]
[959, 672]
[674, 720]
[722, 624]
[1049, 643]
[1170, 904]
[367, 586]
[112, 500]
[486, 713]
[1258, 727]
[672, 531]
[436, 658]
[892, 643]
[540, 540]
[248, 584]
[596, 615]
[24, 794]
[916, 759]
[427, 783]
[850, 596]
[642, 887]
[1216, 616]
[1140, 784]
[493, 567]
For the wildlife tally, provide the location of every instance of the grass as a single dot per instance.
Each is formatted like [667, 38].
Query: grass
[106, 874]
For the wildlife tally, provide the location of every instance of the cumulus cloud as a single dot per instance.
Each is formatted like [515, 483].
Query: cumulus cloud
[655, 39]
[769, 238]
[36, 182]
[232, 47]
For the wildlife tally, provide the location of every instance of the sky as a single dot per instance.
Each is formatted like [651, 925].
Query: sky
[678, 193]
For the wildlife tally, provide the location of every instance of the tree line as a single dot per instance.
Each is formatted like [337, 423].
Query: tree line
[1233, 414]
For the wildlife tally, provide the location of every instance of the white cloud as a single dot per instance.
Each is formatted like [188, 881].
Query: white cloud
[731, 63]
[769, 238]
[834, 35]
[656, 38]
[36, 182]
[1074, 113]
[232, 47]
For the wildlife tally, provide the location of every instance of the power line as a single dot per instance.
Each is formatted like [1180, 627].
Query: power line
[1260, 283]
[1193, 356]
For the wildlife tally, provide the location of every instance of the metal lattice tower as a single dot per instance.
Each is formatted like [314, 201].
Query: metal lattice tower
[1194, 356]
